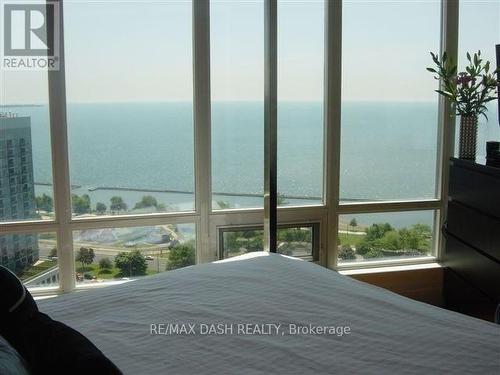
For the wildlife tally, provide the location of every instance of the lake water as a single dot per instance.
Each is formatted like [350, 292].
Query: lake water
[388, 150]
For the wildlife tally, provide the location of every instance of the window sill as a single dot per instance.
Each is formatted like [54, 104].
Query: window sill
[390, 268]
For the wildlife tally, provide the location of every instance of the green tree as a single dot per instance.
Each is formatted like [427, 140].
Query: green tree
[353, 223]
[391, 240]
[281, 199]
[44, 203]
[100, 208]
[131, 263]
[81, 205]
[224, 205]
[374, 253]
[376, 231]
[231, 243]
[105, 264]
[180, 256]
[85, 256]
[117, 204]
[364, 247]
[347, 253]
[146, 201]
[53, 252]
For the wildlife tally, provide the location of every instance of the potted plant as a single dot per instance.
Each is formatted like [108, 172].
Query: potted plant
[469, 92]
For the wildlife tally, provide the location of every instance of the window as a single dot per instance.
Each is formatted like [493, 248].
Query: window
[479, 30]
[237, 84]
[130, 135]
[300, 102]
[297, 241]
[389, 107]
[32, 257]
[384, 236]
[25, 139]
[109, 254]
[131, 144]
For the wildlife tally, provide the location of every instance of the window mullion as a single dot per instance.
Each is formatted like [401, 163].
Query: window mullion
[270, 123]
[446, 121]
[202, 126]
[333, 86]
[60, 166]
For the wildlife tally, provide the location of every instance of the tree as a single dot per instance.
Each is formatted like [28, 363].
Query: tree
[146, 201]
[53, 252]
[44, 203]
[105, 264]
[374, 253]
[364, 247]
[377, 231]
[224, 205]
[131, 263]
[100, 208]
[81, 205]
[281, 200]
[347, 252]
[85, 255]
[117, 204]
[353, 223]
[180, 256]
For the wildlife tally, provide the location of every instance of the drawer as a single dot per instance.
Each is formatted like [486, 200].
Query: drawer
[479, 271]
[475, 228]
[475, 188]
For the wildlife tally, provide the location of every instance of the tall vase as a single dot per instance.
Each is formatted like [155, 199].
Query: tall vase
[468, 137]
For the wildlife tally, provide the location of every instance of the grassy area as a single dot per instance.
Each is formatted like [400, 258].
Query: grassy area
[35, 270]
[106, 274]
[350, 239]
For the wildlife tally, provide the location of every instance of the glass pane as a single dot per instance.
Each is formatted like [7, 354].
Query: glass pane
[383, 236]
[237, 83]
[25, 153]
[115, 253]
[300, 101]
[389, 107]
[129, 90]
[32, 257]
[292, 241]
[479, 31]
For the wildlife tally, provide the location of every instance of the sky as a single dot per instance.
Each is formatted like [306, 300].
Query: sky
[142, 50]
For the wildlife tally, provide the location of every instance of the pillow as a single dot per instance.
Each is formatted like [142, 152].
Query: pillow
[47, 346]
[11, 362]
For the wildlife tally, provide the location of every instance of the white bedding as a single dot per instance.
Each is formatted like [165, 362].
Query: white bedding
[389, 334]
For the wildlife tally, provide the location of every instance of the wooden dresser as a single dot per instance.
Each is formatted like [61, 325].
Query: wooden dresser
[472, 231]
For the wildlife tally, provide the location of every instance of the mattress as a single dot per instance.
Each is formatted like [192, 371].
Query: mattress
[266, 313]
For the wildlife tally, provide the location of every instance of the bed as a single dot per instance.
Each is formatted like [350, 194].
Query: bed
[341, 325]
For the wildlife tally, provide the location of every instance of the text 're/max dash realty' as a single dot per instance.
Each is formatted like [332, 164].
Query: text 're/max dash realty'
[247, 329]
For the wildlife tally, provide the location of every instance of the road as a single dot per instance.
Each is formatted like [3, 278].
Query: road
[157, 264]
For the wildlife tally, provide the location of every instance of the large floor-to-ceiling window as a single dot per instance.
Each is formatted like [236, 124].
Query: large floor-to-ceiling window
[164, 106]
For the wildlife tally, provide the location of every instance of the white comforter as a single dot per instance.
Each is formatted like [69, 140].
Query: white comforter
[388, 334]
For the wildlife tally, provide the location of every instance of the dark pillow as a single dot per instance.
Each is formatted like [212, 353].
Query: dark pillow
[48, 346]
[11, 362]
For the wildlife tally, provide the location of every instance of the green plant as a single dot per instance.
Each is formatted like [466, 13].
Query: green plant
[100, 208]
[131, 264]
[469, 91]
[146, 201]
[85, 255]
[105, 264]
[180, 256]
[347, 253]
[44, 202]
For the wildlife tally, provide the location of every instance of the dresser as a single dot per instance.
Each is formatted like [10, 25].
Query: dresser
[472, 231]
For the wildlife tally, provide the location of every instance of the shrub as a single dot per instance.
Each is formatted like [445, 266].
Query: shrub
[105, 264]
[180, 256]
[131, 264]
[347, 252]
